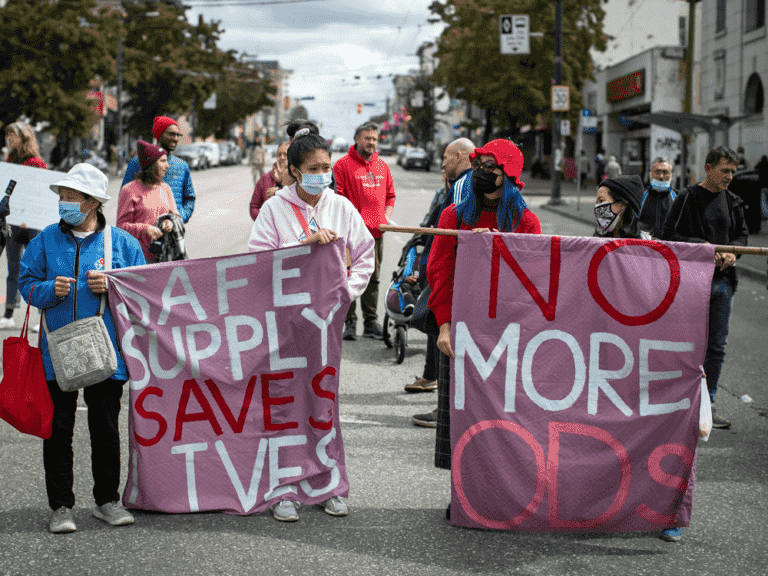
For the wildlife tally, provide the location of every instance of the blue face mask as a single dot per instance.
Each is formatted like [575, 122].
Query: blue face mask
[71, 214]
[660, 185]
[314, 184]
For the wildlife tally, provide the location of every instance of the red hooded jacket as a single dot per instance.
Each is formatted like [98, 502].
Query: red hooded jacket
[368, 185]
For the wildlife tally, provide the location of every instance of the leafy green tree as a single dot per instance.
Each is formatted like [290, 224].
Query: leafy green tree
[239, 93]
[514, 90]
[49, 54]
[421, 124]
[170, 66]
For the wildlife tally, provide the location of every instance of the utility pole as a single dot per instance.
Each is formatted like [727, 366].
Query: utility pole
[557, 138]
[688, 102]
[120, 146]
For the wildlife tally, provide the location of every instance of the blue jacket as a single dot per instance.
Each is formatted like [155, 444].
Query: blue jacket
[56, 252]
[177, 177]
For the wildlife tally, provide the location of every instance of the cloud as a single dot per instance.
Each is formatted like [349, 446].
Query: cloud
[328, 44]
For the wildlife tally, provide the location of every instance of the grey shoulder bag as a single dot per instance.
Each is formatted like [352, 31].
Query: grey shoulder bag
[81, 352]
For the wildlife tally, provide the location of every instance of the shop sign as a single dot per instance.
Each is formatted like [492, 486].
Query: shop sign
[625, 87]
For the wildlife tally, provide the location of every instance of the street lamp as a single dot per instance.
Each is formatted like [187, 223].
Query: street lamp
[120, 67]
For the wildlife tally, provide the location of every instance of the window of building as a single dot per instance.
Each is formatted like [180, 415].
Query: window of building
[755, 15]
[719, 88]
[753, 95]
[720, 17]
[682, 30]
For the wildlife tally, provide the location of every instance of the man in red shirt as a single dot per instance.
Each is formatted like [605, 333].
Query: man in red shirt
[365, 179]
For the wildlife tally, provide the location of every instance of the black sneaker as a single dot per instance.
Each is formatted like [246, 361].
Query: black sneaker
[428, 420]
[373, 330]
[350, 329]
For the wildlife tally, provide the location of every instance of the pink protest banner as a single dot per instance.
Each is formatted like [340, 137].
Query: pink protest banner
[234, 366]
[576, 385]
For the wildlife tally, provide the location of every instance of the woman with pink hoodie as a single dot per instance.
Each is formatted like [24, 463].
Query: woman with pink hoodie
[309, 211]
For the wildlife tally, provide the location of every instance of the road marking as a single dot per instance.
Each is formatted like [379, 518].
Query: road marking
[348, 420]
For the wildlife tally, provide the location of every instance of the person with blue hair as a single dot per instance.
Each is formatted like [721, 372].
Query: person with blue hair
[493, 203]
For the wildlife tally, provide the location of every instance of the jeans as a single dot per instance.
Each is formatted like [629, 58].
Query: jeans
[370, 298]
[103, 401]
[17, 241]
[719, 316]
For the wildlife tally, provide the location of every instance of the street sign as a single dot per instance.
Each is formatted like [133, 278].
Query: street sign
[514, 34]
[588, 122]
[565, 127]
[561, 99]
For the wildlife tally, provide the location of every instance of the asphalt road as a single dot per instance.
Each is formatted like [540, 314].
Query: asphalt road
[397, 499]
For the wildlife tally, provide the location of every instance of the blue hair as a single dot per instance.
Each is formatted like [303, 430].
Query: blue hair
[508, 214]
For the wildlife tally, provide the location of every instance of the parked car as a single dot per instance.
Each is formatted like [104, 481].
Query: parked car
[416, 158]
[211, 150]
[386, 148]
[223, 153]
[340, 144]
[194, 155]
[400, 152]
[95, 160]
[230, 153]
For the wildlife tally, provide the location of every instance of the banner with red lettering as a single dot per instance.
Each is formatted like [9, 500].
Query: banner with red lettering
[234, 366]
[576, 384]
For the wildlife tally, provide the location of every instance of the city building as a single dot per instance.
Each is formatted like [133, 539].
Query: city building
[268, 123]
[734, 64]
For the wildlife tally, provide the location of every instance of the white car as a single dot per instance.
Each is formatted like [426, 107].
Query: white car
[212, 152]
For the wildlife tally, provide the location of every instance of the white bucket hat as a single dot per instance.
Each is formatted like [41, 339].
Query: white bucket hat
[86, 179]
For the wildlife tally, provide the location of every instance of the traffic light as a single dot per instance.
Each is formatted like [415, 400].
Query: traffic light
[359, 108]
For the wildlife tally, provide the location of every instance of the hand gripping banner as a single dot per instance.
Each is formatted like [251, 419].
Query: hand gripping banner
[576, 385]
[234, 366]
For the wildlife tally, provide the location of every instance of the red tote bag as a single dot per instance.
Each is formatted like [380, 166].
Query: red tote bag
[25, 401]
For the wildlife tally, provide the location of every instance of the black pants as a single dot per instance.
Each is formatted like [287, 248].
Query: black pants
[443, 432]
[103, 401]
[432, 360]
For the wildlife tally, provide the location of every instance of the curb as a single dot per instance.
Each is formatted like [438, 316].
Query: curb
[748, 271]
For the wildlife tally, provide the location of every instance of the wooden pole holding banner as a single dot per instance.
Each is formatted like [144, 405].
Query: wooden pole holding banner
[759, 251]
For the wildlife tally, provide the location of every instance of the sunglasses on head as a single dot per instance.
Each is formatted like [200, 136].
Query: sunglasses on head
[487, 165]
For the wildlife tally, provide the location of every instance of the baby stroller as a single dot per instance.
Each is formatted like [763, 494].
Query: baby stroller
[402, 296]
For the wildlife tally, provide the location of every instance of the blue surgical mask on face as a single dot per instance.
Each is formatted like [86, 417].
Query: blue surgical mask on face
[71, 214]
[314, 184]
[660, 185]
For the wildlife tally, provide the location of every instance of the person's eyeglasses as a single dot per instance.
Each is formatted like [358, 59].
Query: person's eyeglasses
[487, 165]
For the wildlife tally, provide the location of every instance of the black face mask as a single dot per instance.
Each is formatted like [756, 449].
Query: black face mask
[484, 182]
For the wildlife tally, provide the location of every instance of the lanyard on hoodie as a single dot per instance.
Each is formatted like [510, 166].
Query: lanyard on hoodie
[302, 221]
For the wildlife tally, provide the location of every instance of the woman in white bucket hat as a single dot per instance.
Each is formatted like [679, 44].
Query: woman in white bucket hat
[64, 265]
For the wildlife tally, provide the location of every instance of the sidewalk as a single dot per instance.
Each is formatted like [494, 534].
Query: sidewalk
[579, 207]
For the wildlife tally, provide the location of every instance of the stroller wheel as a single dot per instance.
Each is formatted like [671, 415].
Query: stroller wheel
[387, 330]
[401, 339]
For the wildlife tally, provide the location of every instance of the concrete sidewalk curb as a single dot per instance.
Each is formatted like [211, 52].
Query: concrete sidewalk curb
[747, 270]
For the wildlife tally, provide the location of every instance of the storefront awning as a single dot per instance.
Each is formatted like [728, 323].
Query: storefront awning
[686, 124]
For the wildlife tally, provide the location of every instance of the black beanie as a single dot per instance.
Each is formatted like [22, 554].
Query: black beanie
[626, 188]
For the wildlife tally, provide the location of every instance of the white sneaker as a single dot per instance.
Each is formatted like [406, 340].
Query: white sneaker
[35, 328]
[62, 521]
[335, 506]
[113, 514]
[285, 511]
[6, 323]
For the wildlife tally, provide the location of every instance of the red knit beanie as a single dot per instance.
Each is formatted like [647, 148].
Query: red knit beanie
[506, 154]
[160, 124]
[148, 153]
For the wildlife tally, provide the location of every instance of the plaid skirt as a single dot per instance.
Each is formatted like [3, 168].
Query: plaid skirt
[443, 430]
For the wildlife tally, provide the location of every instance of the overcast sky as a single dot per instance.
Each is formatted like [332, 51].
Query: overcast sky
[327, 43]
